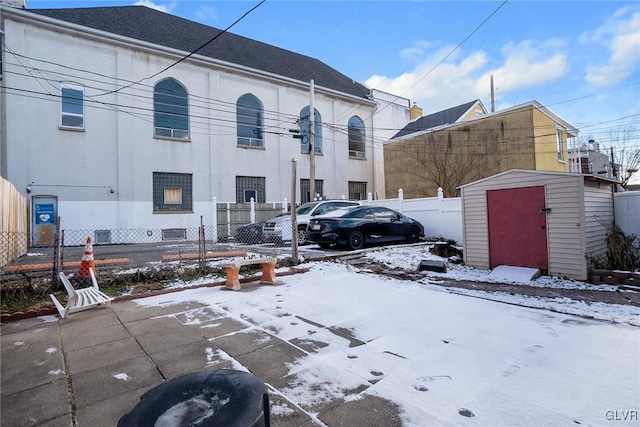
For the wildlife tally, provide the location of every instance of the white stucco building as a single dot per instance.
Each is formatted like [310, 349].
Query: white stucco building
[112, 120]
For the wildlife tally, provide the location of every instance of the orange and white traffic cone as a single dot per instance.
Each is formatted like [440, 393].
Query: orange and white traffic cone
[87, 260]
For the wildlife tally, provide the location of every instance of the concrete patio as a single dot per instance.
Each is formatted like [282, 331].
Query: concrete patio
[91, 368]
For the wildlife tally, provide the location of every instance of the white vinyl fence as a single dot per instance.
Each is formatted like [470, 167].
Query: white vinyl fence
[441, 217]
[627, 210]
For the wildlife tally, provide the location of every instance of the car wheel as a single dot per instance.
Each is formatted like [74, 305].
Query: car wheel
[355, 240]
[302, 235]
[414, 235]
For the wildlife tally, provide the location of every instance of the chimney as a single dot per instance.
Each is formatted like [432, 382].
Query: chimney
[415, 112]
[595, 146]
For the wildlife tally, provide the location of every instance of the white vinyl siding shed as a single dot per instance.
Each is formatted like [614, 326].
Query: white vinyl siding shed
[581, 212]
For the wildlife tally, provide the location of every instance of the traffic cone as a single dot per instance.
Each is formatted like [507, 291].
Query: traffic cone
[87, 260]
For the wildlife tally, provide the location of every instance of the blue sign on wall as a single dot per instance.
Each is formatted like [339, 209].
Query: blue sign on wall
[44, 214]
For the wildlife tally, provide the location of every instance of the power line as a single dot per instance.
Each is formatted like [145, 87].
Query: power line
[190, 53]
[276, 114]
[446, 56]
[203, 121]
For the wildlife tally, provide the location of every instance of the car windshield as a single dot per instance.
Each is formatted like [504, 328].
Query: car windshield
[306, 208]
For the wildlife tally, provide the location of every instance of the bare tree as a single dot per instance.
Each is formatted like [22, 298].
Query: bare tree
[445, 164]
[624, 143]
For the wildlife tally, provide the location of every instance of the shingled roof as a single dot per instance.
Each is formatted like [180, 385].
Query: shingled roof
[444, 117]
[152, 26]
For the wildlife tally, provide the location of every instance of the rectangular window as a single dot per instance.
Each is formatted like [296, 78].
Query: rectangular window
[248, 187]
[172, 196]
[72, 107]
[172, 192]
[357, 190]
[174, 234]
[250, 142]
[305, 195]
[560, 144]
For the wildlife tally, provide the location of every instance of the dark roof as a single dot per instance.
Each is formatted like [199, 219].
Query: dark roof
[152, 26]
[444, 117]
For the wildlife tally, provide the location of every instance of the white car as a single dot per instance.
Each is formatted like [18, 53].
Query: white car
[278, 230]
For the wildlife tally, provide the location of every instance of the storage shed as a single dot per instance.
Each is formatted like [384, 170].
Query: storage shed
[552, 221]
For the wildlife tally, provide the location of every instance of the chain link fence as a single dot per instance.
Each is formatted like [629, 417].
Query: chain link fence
[12, 245]
[17, 248]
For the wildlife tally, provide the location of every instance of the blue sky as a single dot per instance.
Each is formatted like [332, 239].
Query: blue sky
[579, 58]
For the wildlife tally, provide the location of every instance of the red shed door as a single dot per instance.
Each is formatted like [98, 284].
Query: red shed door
[517, 227]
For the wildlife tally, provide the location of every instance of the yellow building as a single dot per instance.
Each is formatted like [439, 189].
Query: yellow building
[465, 143]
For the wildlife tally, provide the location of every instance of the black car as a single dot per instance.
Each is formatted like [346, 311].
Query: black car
[249, 233]
[363, 225]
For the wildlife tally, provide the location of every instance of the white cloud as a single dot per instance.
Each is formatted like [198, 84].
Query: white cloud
[206, 13]
[148, 3]
[620, 35]
[464, 77]
[528, 64]
[416, 51]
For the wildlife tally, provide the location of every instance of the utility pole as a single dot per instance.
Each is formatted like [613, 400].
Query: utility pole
[294, 219]
[312, 149]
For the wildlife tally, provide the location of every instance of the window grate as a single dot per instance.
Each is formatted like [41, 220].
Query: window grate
[174, 234]
[304, 190]
[102, 237]
[172, 192]
[251, 186]
[357, 190]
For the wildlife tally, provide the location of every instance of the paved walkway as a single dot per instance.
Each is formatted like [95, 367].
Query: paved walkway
[91, 368]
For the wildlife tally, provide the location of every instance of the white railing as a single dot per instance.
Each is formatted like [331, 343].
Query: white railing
[231, 223]
[627, 211]
[441, 217]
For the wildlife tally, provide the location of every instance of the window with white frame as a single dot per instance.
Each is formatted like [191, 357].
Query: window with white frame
[170, 110]
[249, 118]
[72, 107]
[356, 137]
[560, 144]
[172, 192]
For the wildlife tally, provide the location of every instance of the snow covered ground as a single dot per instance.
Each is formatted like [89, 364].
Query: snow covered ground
[443, 357]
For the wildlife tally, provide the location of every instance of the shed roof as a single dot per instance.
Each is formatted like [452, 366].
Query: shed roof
[163, 29]
[586, 177]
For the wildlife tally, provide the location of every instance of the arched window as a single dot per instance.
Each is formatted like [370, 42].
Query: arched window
[304, 131]
[249, 120]
[170, 109]
[356, 137]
